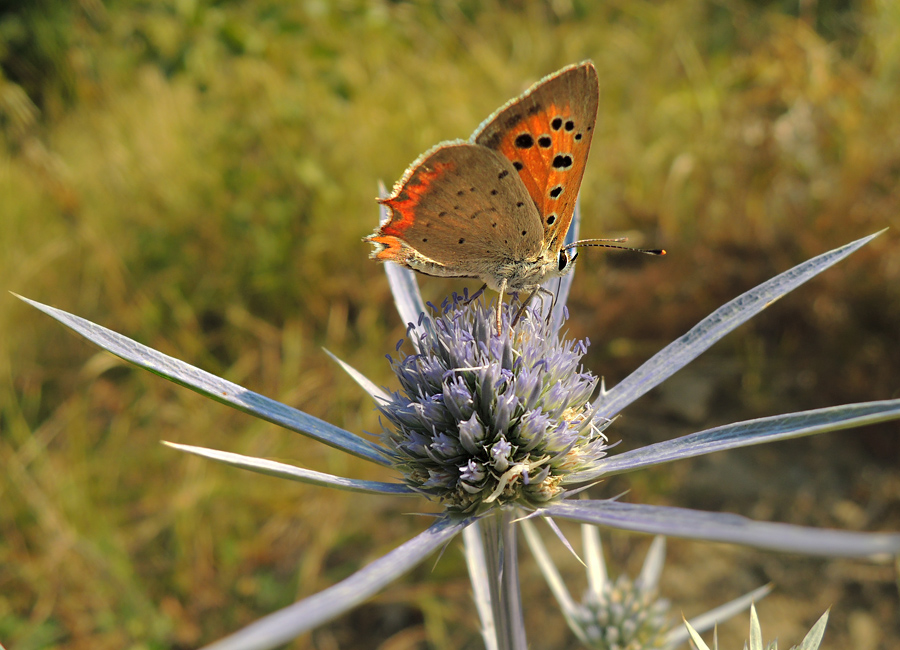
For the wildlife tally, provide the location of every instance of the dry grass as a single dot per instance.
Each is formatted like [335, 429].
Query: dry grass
[199, 178]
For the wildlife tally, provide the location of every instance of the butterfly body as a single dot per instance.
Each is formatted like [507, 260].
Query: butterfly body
[497, 207]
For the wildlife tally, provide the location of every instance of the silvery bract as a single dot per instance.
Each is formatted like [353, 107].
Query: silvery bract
[810, 642]
[620, 613]
[498, 427]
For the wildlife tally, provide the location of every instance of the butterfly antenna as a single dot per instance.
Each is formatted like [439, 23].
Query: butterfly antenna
[597, 243]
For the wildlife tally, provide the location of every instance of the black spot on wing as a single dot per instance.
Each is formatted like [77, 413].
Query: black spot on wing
[524, 141]
[562, 161]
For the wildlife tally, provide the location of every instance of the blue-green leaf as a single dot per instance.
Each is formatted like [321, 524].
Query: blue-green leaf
[682, 351]
[743, 434]
[285, 624]
[725, 527]
[282, 470]
[713, 617]
[365, 383]
[217, 388]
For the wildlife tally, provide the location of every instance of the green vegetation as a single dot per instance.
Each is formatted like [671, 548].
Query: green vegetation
[198, 175]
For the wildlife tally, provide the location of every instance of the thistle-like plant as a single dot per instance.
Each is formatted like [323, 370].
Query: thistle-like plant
[810, 642]
[624, 614]
[495, 428]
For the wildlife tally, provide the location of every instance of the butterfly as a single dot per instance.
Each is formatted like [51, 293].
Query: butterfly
[497, 207]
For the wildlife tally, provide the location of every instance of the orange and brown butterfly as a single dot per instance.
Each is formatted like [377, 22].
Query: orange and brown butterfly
[497, 207]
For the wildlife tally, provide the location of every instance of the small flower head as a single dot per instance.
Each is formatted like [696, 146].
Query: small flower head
[624, 616]
[484, 420]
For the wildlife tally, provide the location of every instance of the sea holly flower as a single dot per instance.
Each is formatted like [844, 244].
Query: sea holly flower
[497, 427]
[811, 641]
[624, 614]
[484, 421]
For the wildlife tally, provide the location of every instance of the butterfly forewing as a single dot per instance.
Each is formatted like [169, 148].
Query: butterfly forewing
[462, 206]
[546, 134]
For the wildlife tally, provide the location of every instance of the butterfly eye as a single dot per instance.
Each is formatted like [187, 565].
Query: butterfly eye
[564, 260]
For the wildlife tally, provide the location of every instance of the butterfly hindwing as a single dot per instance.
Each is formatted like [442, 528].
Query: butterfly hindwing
[459, 210]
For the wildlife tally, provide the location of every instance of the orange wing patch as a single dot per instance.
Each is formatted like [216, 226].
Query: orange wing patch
[546, 133]
[407, 195]
[389, 249]
[549, 149]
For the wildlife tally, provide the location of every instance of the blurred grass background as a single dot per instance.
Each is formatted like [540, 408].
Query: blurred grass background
[198, 175]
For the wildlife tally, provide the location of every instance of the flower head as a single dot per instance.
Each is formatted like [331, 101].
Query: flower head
[483, 420]
[621, 613]
[624, 615]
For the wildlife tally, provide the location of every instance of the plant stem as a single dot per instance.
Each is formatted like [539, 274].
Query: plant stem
[499, 537]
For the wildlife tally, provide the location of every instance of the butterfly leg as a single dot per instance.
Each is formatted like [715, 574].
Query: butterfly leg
[501, 289]
[524, 306]
[553, 297]
[540, 292]
[475, 295]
